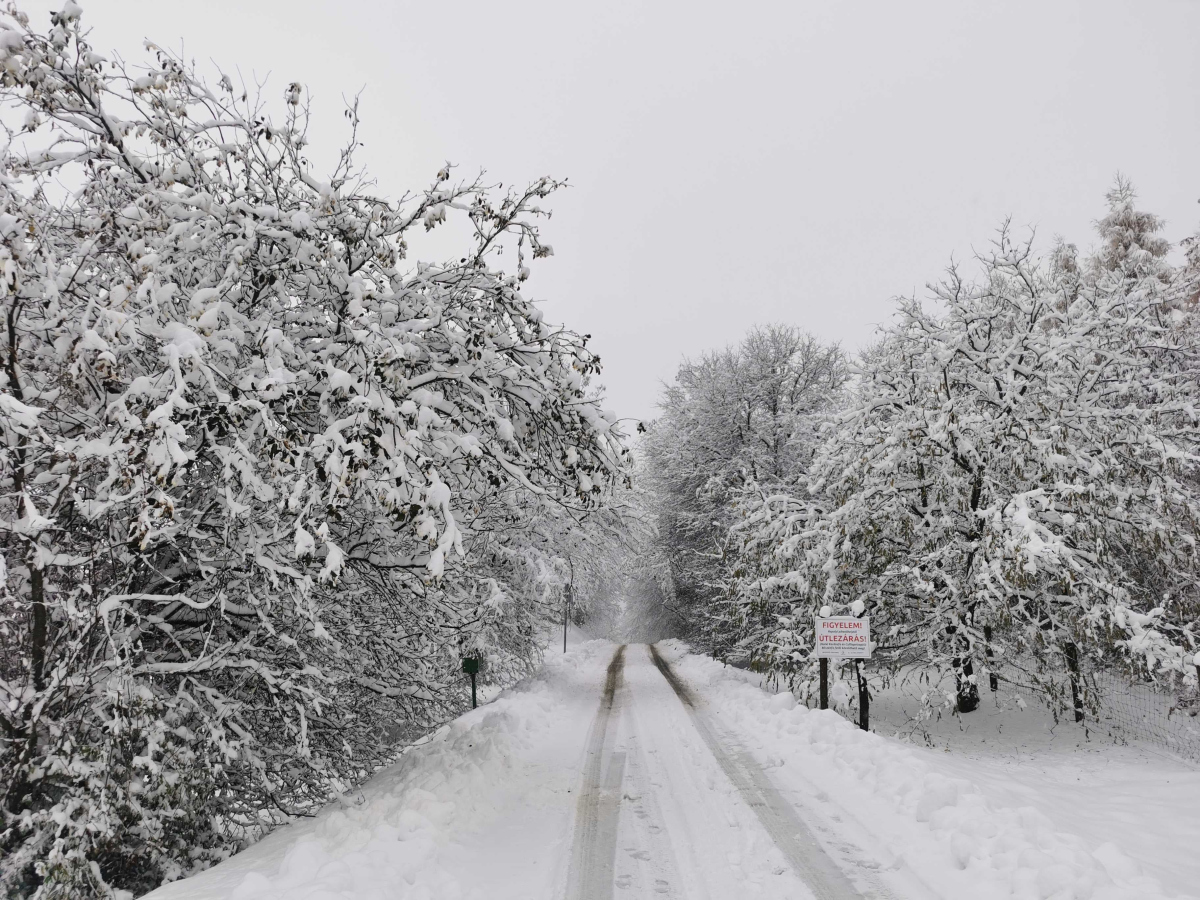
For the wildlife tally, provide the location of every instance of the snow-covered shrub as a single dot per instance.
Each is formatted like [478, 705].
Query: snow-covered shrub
[259, 476]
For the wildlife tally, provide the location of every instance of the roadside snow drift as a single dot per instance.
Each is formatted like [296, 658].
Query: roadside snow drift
[483, 793]
[942, 829]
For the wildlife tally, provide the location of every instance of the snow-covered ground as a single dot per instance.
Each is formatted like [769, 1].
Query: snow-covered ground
[1134, 795]
[1010, 804]
[486, 807]
[485, 802]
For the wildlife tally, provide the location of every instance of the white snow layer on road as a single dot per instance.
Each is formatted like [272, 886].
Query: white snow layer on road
[485, 807]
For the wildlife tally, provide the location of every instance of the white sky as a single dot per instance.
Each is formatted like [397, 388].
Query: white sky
[736, 163]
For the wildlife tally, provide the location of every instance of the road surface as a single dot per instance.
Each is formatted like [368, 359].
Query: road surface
[646, 772]
[671, 806]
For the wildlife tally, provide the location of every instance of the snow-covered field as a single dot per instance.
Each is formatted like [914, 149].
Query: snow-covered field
[485, 807]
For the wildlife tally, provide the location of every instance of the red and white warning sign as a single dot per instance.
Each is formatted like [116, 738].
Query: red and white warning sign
[844, 637]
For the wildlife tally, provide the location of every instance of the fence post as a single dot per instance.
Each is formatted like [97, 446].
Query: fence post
[566, 613]
[993, 681]
[824, 683]
[864, 700]
[1071, 652]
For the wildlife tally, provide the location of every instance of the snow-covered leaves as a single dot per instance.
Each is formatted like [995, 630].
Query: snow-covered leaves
[253, 468]
[742, 419]
[1021, 461]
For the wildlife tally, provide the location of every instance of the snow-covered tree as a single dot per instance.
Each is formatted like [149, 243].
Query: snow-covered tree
[619, 577]
[745, 416]
[603, 567]
[1132, 246]
[1018, 460]
[258, 473]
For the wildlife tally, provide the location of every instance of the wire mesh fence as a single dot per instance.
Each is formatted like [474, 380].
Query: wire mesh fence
[1161, 714]
[1109, 703]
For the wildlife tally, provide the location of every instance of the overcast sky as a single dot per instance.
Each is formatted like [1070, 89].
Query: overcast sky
[737, 163]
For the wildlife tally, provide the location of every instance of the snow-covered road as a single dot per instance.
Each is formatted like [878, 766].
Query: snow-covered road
[638, 772]
[672, 806]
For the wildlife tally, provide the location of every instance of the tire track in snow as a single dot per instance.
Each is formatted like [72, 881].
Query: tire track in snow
[797, 842]
[594, 849]
[646, 863]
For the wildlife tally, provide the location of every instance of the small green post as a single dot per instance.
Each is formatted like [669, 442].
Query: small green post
[470, 665]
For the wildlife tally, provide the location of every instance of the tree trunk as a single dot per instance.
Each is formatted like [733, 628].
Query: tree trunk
[993, 679]
[38, 648]
[864, 700]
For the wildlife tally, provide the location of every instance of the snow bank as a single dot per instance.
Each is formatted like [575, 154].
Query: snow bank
[388, 839]
[943, 829]
[1088, 779]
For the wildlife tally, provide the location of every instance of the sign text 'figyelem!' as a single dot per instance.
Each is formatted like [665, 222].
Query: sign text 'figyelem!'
[844, 637]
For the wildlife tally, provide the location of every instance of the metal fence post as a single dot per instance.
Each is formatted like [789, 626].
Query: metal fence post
[1071, 652]
[993, 680]
[864, 700]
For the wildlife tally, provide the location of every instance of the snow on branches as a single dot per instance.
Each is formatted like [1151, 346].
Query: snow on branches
[1018, 460]
[744, 418]
[256, 470]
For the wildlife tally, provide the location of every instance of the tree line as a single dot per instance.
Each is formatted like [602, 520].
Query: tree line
[264, 482]
[1006, 478]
